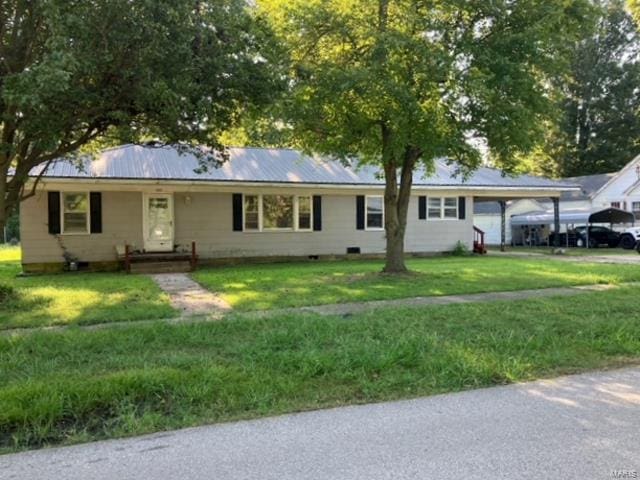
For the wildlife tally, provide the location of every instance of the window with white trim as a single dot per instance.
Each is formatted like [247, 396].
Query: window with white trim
[304, 216]
[615, 204]
[75, 212]
[265, 213]
[442, 208]
[374, 208]
[277, 212]
[251, 212]
[635, 208]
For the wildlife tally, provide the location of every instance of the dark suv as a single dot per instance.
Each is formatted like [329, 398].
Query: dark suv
[597, 236]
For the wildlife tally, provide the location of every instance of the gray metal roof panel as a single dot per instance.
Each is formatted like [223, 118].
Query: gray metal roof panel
[486, 208]
[589, 184]
[269, 166]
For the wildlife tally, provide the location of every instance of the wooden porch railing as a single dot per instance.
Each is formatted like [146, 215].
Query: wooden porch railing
[129, 257]
[478, 241]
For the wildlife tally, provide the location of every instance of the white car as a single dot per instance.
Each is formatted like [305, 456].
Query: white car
[630, 238]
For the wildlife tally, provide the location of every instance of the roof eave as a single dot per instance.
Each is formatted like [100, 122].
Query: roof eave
[254, 183]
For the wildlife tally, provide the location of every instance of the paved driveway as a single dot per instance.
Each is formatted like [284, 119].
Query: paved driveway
[581, 427]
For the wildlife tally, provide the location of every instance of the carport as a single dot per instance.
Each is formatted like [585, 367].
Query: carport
[572, 217]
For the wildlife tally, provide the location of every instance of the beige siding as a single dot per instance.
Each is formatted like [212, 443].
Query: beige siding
[121, 220]
[206, 218]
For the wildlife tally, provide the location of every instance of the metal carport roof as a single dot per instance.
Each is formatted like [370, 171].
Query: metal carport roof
[579, 216]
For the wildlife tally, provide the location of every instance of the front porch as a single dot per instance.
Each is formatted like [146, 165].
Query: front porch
[140, 261]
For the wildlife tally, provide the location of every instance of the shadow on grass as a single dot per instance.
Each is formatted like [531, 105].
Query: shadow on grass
[294, 285]
[82, 299]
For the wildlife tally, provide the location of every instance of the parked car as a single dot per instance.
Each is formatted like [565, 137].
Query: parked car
[597, 236]
[630, 238]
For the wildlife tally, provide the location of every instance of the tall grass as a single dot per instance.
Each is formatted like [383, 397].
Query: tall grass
[71, 386]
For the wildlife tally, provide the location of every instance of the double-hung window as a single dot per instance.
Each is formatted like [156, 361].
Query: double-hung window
[251, 212]
[304, 215]
[264, 213]
[375, 212]
[442, 208]
[75, 212]
[635, 208]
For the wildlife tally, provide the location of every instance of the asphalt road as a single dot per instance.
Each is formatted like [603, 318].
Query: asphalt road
[579, 427]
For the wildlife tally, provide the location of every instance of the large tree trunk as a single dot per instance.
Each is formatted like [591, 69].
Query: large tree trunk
[396, 206]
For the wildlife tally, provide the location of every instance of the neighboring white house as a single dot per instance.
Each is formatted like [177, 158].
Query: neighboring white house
[618, 190]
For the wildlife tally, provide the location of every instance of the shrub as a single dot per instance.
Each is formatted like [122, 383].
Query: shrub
[460, 250]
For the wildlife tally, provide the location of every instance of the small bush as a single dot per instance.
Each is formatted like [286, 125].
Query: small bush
[460, 250]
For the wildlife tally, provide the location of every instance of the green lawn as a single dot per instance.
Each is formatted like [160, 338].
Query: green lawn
[573, 252]
[77, 385]
[78, 298]
[255, 287]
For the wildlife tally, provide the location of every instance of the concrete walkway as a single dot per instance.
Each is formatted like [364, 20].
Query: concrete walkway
[578, 427]
[360, 307]
[199, 305]
[188, 297]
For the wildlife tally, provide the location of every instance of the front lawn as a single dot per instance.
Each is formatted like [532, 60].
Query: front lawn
[80, 298]
[256, 287]
[79, 385]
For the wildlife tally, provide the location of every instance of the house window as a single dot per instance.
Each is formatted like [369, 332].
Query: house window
[304, 213]
[635, 207]
[375, 212]
[75, 213]
[450, 207]
[277, 212]
[615, 204]
[442, 208]
[433, 207]
[251, 212]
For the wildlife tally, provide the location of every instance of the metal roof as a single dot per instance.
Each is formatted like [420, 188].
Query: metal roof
[269, 166]
[486, 208]
[580, 216]
[589, 184]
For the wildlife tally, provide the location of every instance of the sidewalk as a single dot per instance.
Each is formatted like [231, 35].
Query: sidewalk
[219, 311]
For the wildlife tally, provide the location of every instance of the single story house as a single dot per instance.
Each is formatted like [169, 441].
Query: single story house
[618, 190]
[260, 203]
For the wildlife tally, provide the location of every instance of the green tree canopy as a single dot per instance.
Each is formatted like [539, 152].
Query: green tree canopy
[72, 71]
[398, 83]
[598, 130]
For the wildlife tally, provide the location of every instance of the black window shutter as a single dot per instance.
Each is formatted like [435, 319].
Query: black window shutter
[462, 208]
[317, 213]
[95, 207]
[360, 212]
[237, 212]
[53, 199]
[422, 208]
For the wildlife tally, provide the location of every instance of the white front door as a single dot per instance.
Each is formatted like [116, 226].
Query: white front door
[158, 222]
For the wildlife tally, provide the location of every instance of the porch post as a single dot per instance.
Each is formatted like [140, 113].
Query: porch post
[556, 222]
[503, 225]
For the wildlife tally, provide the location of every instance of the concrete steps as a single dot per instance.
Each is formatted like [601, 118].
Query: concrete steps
[177, 266]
